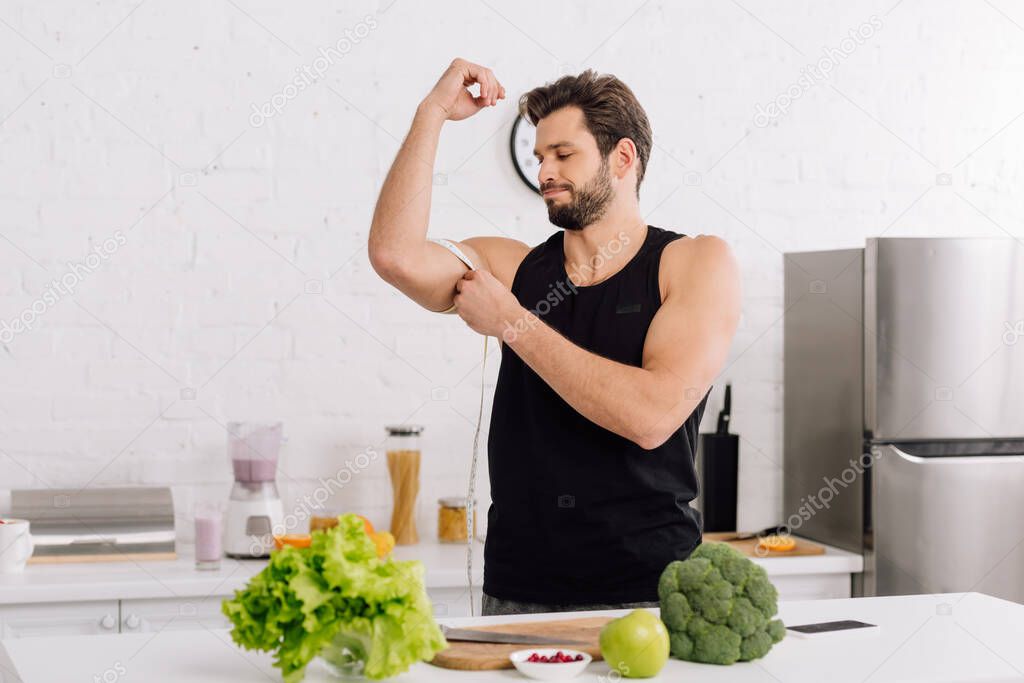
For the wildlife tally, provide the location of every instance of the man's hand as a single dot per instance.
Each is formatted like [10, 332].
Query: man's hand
[451, 93]
[486, 305]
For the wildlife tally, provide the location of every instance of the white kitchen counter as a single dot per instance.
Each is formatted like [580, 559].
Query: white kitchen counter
[445, 569]
[951, 637]
[41, 583]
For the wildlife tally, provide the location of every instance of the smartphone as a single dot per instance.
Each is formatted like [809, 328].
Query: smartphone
[828, 628]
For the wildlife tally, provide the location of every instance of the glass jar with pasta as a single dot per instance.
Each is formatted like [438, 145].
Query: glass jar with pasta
[403, 452]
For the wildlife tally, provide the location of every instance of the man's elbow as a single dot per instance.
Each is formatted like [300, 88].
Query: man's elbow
[651, 439]
[386, 264]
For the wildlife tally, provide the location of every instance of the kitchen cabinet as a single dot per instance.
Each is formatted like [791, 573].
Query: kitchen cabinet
[111, 616]
[59, 619]
[146, 616]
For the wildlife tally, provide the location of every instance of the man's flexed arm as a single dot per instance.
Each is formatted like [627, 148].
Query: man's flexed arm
[397, 245]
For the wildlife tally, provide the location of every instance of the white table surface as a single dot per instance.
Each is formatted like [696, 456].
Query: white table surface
[445, 566]
[950, 637]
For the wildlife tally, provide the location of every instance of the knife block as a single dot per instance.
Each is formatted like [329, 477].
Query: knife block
[718, 456]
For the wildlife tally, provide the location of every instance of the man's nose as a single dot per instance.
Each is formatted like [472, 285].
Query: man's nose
[546, 174]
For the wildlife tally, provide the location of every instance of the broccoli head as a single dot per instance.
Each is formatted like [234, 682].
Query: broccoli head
[718, 607]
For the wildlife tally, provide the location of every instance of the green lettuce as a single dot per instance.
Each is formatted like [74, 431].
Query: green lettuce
[337, 586]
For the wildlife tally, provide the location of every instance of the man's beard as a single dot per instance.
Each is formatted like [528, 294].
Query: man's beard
[586, 205]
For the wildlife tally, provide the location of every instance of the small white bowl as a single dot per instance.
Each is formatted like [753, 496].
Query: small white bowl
[556, 671]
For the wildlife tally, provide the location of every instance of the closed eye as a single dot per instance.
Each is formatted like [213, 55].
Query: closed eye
[560, 157]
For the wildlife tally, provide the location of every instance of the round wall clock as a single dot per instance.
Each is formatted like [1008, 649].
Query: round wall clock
[524, 137]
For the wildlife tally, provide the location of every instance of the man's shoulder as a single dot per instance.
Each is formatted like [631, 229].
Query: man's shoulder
[695, 261]
[686, 252]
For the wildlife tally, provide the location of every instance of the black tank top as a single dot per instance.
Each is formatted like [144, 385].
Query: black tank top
[579, 514]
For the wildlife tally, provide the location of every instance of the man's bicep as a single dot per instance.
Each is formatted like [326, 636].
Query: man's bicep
[688, 340]
[690, 336]
[499, 256]
[502, 255]
[452, 263]
[429, 277]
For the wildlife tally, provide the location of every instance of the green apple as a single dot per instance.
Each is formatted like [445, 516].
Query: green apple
[635, 645]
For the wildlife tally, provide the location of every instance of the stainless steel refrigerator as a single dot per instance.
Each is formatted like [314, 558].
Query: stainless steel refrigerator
[904, 411]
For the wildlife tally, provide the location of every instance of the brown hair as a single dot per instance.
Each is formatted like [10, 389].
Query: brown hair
[610, 111]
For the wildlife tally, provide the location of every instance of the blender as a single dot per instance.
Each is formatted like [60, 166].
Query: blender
[255, 511]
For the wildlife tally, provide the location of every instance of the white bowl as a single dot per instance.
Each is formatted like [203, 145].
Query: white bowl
[550, 671]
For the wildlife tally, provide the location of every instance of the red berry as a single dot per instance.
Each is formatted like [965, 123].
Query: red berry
[579, 658]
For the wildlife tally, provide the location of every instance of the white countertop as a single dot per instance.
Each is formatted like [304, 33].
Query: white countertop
[950, 637]
[445, 568]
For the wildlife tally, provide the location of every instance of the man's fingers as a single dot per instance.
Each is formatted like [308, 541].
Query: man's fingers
[491, 89]
[495, 89]
[478, 74]
[487, 88]
[471, 73]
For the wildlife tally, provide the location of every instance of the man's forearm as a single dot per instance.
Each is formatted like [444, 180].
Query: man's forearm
[623, 399]
[401, 218]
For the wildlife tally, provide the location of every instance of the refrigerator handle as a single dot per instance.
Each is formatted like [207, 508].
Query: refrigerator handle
[881, 450]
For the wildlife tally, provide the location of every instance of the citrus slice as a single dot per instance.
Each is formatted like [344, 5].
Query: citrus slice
[367, 524]
[384, 541]
[777, 543]
[294, 540]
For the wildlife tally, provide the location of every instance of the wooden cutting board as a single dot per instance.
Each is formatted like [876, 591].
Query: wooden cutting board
[483, 656]
[749, 546]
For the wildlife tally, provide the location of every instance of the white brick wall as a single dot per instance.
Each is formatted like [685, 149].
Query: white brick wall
[136, 118]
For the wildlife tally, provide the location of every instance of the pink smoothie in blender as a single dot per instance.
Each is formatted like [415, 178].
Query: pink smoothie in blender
[253, 450]
[255, 511]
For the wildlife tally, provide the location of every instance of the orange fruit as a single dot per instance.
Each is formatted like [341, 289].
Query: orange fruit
[294, 540]
[367, 524]
[384, 541]
[776, 543]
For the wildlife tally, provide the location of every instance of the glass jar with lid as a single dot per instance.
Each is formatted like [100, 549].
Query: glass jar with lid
[452, 519]
[403, 453]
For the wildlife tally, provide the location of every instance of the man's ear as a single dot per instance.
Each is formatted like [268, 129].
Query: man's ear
[624, 156]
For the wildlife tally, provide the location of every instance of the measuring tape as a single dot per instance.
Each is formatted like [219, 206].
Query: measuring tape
[470, 510]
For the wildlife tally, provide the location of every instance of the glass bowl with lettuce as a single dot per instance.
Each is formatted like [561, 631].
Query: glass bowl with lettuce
[364, 616]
